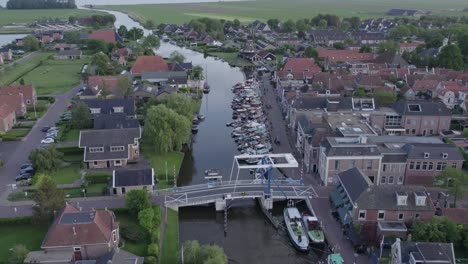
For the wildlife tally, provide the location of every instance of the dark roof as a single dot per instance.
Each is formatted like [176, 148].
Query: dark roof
[119, 256]
[436, 151]
[117, 120]
[427, 108]
[165, 76]
[350, 149]
[394, 158]
[77, 218]
[391, 58]
[354, 183]
[383, 197]
[107, 105]
[307, 102]
[73, 52]
[438, 253]
[133, 177]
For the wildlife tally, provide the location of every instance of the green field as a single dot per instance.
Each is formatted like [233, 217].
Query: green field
[28, 16]
[27, 234]
[170, 246]
[13, 73]
[68, 174]
[158, 162]
[294, 9]
[55, 76]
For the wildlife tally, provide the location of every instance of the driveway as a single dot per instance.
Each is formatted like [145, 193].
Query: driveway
[19, 154]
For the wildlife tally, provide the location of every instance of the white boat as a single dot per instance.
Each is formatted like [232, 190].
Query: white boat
[212, 172]
[296, 232]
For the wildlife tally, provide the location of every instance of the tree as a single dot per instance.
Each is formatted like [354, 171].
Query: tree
[197, 72]
[192, 252]
[46, 160]
[137, 200]
[17, 254]
[101, 60]
[301, 25]
[345, 26]
[122, 31]
[72, 37]
[97, 45]
[451, 57]
[236, 23]
[359, 93]
[391, 46]
[81, 117]
[440, 230]
[180, 103]
[196, 254]
[177, 56]
[49, 198]
[365, 49]
[135, 33]
[145, 219]
[399, 32]
[339, 45]
[124, 86]
[149, 24]
[273, 24]
[456, 181]
[197, 26]
[288, 26]
[435, 40]
[21, 81]
[151, 41]
[322, 23]
[385, 98]
[310, 52]
[153, 249]
[463, 45]
[30, 43]
[355, 22]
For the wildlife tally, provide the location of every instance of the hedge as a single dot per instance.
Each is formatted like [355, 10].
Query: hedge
[68, 150]
[16, 220]
[98, 177]
[10, 138]
[48, 98]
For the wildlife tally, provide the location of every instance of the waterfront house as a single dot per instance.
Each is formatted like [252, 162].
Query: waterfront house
[149, 64]
[114, 121]
[110, 106]
[298, 69]
[408, 252]
[7, 117]
[96, 84]
[107, 35]
[124, 180]
[177, 79]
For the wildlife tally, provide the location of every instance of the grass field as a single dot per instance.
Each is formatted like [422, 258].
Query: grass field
[294, 9]
[68, 174]
[158, 162]
[137, 248]
[12, 74]
[29, 235]
[55, 76]
[28, 16]
[170, 246]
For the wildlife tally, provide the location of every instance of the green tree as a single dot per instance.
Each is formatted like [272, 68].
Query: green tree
[273, 23]
[101, 60]
[213, 254]
[153, 249]
[46, 160]
[21, 81]
[451, 57]
[456, 181]
[385, 98]
[180, 103]
[150, 24]
[301, 25]
[97, 45]
[17, 254]
[345, 26]
[30, 43]
[137, 200]
[197, 26]
[145, 219]
[355, 22]
[288, 26]
[322, 23]
[437, 230]
[399, 32]
[236, 23]
[387, 46]
[122, 31]
[310, 52]
[135, 33]
[81, 117]
[49, 198]
[192, 252]
[359, 93]
[365, 49]
[339, 45]
[197, 72]
[151, 41]
[435, 40]
[177, 56]
[72, 37]
[463, 45]
[124, 86]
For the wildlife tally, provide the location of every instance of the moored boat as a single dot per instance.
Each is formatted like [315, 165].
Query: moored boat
[313, 229]
[335, 258]
[212, 172]
[194, 128]
[296, 232]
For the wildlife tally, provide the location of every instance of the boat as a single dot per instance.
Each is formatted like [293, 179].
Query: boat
[296, 232]
[252, 161]
[313, 229]
[201, 117]
[206, 89]
[212, 172]
[335, 258]
[194, 128]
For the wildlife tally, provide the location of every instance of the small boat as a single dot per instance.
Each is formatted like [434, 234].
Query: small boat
[335, 258]
[194, 128]
[212, 172]
[229, 124]
[252, 161]
[201, 117]
[296, 232]
[313, 229]
[206, 89]
[195, 120]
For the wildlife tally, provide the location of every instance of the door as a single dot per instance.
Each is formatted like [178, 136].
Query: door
[123, 190]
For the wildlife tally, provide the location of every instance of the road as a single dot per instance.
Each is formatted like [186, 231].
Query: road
[20, 154]
[21, 60]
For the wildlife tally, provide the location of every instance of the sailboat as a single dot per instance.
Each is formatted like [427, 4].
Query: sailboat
[206, 88]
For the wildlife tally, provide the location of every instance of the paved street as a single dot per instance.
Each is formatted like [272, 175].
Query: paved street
[22, 60]
[19, 154]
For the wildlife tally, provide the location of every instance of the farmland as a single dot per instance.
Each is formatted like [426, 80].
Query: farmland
[28, 16]
[294, 9]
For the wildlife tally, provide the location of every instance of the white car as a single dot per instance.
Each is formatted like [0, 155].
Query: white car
[47, 141]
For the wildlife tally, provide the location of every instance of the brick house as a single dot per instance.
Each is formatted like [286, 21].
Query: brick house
[7, 117]
[426, 161]
[27, 92]
[408, 252]
[298, 69]
[15, 102]
[110, 106]
[126, 180]
[149, 64]
[379, 209]
[448, 93]
[110, 148]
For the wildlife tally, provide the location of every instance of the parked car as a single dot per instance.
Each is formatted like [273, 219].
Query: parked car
[27, 170]
[45, 128]
[24, 176]
[26, 165]
[47, 141]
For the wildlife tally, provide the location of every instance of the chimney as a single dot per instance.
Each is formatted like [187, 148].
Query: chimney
[74, 231]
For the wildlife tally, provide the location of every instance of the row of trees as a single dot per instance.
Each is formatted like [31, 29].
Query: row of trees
[40, 4]
[95, 20]
[442, 230]
[321, 21]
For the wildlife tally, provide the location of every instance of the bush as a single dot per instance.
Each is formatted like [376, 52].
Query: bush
[151, 260]
[98, 177]
[16, 220]
[10, 138]
[51, 99]
[155, 235]
[153, 249]
[133, 232]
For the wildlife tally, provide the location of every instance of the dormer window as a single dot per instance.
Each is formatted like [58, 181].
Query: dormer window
[426, 155]
[95, 110]
[117, 148]
[402, 198]
[327, 92]
[420, 198]
[96, 149]
[118, 109]
[444, 155]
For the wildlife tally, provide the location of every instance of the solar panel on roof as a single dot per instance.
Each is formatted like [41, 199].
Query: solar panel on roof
[78, 218]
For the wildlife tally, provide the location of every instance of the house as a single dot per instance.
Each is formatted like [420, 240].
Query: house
[121, 52]
[1, 59]
[126, 180]
[409, 46]
[78, 235]
[64, 46]
[331, 56]
[379, 210]
[114, 121]
[15, 102]
[426, 161]
[392, 60]
[19, 42]
[458, 215]
[110, 148]
[7, 117]
[425, 86]
[406, 12]
[74, 54]
[184, 66]
[110, 106]
[97, 83]
[176, 79]
[6, 54]
[27, 92]
[149, 64]
[267, 56]
[328, 37]
[408, 252]
[368, 38]
[449, 92]
[107, 35]
[298, 69]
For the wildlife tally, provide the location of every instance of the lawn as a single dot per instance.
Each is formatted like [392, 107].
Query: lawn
[232, 58]
[55, 76]
[68, 174]
[18, 132]
[170, 246]
[137, 248]
[27, 234]
[28, 16]
[70, 135]
[12, 74]
[294, 9]
[158, 162]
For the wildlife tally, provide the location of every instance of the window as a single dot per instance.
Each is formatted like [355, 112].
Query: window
[454, 165]
[400, 179]
[114, 237]
[95, 163]
[117, 148]
[390, 180]
[28, 101]
[394, 168]
[337, 164]
[426, 122]
[369, 164]
[418, 165]
[408, 121]
[417, 216]
[383, 180]
[314, 153]
[441, 166]
[424, 166]
[426, 155]
[352, 163]
[362, 214]
[430, 166]
[401, 216]
[95, 110]
[117, 163]
[381, 215]
[118, 109]
[384, 167]
[96, 149]
[411, 165]
[413, 131]
[444, 155]
[76, 249]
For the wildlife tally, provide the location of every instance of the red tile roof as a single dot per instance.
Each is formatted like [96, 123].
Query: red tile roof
[26, 90]
[149, 64]
[300, 68]
[108, 81]
[410, 44]
[15, 101]
[107, 35]
[96, 229]
[452, 86]
[344, 55]
[425, 85]
[5, 110]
